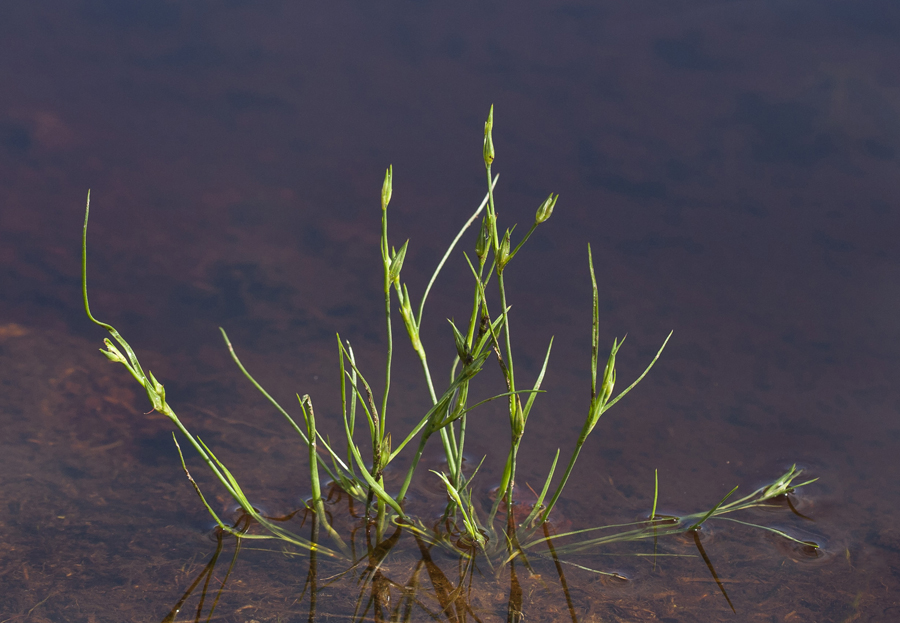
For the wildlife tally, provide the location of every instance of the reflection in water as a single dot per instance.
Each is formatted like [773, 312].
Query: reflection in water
[406, 576]
[712, 569]
[241, 525]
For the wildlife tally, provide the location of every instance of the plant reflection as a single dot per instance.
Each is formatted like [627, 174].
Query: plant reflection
[241, 525]
[426, 589]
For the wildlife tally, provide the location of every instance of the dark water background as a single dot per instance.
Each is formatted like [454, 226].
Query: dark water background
[734, 166]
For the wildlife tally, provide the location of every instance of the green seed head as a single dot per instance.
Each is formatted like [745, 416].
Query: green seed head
[518, 418]
[113, 353]
[484, 239]
[461, 347]
[387, 187]
[546, 209]
[397, 258]
[504, 258]
[488, 138]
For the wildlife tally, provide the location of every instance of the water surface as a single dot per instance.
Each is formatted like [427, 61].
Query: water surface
[733, 165]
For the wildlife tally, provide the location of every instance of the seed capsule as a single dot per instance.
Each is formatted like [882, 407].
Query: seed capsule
[546, 209]
[488, 139]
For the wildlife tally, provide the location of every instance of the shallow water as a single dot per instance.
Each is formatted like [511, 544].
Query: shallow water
[733, 165]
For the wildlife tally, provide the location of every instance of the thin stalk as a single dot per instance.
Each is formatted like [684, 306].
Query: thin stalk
[445, 437]
[470, 336]
[501, 286]
[274, 402]
[434, 419]
[318, 503]
[508, 369]
[403, 295]
[450, 250]
[349, 419]
[448, 438]
[260, 388]
[412, 468]
[460, 441]
[711, 511]
[385, 253]
[154, 389]
[501, 490]
[582, 437]
[540, 500]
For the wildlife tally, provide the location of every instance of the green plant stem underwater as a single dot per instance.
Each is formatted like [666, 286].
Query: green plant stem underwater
[357, 470]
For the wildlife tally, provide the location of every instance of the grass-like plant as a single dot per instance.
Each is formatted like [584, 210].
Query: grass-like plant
[356, 468]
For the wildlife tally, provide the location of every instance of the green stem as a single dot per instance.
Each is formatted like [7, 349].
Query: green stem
[318, 503]
[450, 250]
[445, 438]
[274, 402]
[412, 468]
[562, 484]
[385, 251]
[513, 456]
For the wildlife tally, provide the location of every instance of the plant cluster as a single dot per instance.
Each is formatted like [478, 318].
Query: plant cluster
[357, 467]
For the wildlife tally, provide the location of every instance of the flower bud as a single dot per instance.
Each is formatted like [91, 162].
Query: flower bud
[386, 450]
[397, 263]
[409, 319]
[488, 138]
[461, 348]
[517, 418]
[387, 187]
[156, 393]
[546, 209]
[112, 353]
[484, 239]
[504, 258]
[609, 375]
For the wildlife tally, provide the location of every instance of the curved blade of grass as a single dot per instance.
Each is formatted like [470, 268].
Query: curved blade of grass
[609, 574]
[595, 325]
[349, 426]
[773, 531]
[472, 477]
[619, 537]
[585, 530]
[450, 250]
[274, 402]
[209, 509]
[260, 388]
[540, 500]
[641, 377]
[537, 383]
[369, 398]
[711, 511]
[133, 365]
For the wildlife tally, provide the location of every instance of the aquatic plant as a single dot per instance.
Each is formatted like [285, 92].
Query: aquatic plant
[356, 469]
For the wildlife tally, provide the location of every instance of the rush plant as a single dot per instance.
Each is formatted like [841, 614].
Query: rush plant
[356, 465]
